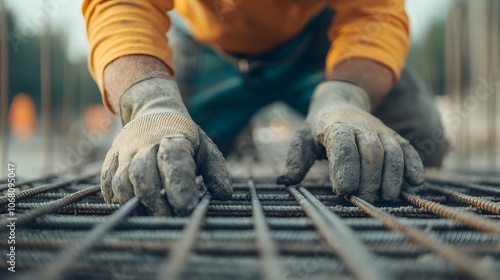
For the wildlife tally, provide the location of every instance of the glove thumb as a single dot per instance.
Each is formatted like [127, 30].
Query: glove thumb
[302, 154]
[212, 168]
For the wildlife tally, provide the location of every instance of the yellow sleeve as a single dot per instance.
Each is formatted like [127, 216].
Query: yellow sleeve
[371, 29]
[118, 28]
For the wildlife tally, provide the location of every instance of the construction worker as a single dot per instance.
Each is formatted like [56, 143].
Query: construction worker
[340, 63]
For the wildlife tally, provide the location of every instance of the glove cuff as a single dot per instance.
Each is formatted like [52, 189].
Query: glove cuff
[151, 96]
[340, 91]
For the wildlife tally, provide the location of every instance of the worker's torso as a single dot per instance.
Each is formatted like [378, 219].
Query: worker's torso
[247, 26]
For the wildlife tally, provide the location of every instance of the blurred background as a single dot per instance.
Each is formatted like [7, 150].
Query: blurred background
[52, 119]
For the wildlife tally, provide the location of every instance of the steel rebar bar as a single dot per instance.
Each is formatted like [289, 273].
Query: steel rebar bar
[457, 258]
[58, 268]
[341, 239]
[30, 216]
[491, 64]
[4, 187]
[41, 189]
[4, 87]
[470, 186]
[245, 210]
[472, 220]
[87, 222]
[180, 253]
[371, 237]
[267, 247]
[46, 95]
[489, 206]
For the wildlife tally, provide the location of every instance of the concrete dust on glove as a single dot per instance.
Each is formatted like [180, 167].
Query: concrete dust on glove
[157, 154]
[366, 158]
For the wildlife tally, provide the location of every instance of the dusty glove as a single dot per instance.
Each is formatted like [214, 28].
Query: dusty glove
[157, 154]
[365, 156]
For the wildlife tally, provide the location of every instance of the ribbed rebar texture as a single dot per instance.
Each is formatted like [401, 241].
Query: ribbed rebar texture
[443, 230]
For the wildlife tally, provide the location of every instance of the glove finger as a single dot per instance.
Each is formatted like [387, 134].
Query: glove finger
[301, 155]
[177, 171]
[212, 167]
[371, 155]
[122, 188]
[392, 176]
[343, 158]
[107, 175]
[146, 181]
[414, 171]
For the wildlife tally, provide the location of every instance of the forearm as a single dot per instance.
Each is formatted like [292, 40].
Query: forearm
[123, 72]
[375, 78]
[117, 28]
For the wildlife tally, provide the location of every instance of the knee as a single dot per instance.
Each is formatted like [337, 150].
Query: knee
[431, 144]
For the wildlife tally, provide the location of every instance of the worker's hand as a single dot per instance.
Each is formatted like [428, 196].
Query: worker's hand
[159, 151]
[364, 155]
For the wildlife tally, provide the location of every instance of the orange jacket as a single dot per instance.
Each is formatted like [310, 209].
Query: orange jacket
[372, 29]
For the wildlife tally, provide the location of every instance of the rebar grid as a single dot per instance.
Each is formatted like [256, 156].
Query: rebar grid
[52, 206]
[493, 207]
[58, 268]
[427, 240]
[68, 232]
[44, 188]
[339, 238]
[474, 221]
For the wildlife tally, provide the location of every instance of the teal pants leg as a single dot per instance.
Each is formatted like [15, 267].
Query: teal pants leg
[216, 96]
[222, 98]
[223, 91]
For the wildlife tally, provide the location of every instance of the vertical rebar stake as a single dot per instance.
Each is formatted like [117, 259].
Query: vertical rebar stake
[68, 104]
[46, 88]
[4, 87]
[492, 45]
[464, 80]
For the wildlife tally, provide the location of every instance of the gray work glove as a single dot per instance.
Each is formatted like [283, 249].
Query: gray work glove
[159, 151]
[364, 155]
